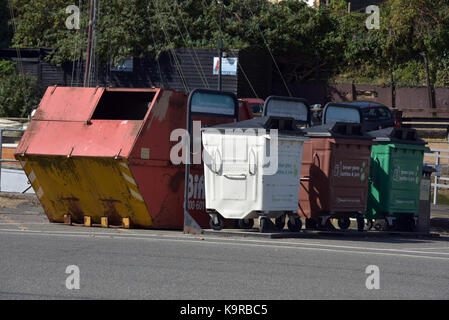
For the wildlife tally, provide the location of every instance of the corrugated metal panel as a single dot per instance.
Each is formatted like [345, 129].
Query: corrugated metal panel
[148, 72]
[52, 75]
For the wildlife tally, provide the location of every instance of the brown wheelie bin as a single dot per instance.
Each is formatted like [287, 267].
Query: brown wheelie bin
[334, 175]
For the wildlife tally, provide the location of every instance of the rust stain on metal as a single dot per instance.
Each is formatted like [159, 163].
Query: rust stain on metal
[176, 181]
[159, 110]
[111, 212]
[74, 209]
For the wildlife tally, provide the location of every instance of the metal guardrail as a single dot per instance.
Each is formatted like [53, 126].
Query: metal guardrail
[1, 150]
[437, 154]
[427, 123]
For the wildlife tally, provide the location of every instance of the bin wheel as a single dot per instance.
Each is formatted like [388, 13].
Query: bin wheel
[378, 226]
[411, 224]
[216, 222]
[245, 223]
[391, 227]
[344, 223]
[265, 225]
[294, 224]
[328, 226]
[279, 222]
[310, 223]
[360, 223]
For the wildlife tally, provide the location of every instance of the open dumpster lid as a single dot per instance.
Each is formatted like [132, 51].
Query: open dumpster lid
[68, 103]
[287, 107]
[399, 135]
[341, 112]
[88, 122]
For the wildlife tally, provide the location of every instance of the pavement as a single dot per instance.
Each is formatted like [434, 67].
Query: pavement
[158, 264]
[440, 210]
[14, 180]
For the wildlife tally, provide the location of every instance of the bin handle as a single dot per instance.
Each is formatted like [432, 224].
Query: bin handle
[252, 155]
[217, 155]
[235, 176]
[315, 155]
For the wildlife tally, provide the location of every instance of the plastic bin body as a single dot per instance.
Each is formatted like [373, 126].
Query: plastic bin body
[395, 179]
[104, 152]
[334, 177]
[236, 184]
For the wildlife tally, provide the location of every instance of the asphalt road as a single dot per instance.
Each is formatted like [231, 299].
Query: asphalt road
[142, 264]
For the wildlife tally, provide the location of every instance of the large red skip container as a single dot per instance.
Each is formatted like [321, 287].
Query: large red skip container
[102, 152]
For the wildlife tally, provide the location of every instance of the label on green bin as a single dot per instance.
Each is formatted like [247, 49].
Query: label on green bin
[403, 175]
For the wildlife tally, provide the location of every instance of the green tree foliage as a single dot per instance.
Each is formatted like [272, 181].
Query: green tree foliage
[301, 38]
[5, 30]
[18, 93]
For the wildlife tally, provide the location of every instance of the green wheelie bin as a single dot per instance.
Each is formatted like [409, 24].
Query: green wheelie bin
[395, 178]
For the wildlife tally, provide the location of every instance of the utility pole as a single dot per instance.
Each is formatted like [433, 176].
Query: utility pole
[220, 49]
[429, 87]
[89, 44]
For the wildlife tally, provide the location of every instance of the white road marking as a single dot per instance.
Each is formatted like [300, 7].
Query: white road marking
[399, 253]
[339, 246]
[437, 248]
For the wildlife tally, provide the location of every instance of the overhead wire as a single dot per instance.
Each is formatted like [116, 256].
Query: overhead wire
[247, 79]
[97, 33]
[154, 44]
[79, 62]
[14, 25]
[189, 51]
[201, 71]
[239, 64]
[75, 50]
[171, 50]
[268, 47]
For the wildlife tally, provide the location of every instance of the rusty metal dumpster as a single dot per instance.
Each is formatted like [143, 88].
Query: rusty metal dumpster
[334, 175]
[103, 154]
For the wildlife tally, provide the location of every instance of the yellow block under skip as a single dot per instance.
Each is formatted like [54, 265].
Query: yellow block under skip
[87, 221]
[126, 223]
[104, 222]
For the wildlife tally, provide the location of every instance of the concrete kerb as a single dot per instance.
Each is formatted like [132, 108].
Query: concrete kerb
[30, 197]
[438, 224]
[320, 234]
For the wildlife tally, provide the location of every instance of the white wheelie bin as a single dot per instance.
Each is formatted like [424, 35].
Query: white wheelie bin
[252, 169]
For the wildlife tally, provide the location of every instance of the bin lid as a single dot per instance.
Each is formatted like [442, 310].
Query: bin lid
[341, 112]
[283, 125]
[287, 107]
[397, 135]
[338, 130]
